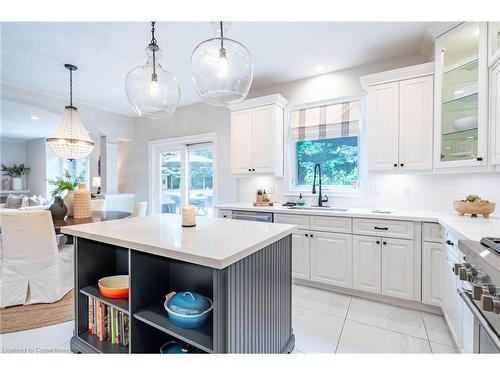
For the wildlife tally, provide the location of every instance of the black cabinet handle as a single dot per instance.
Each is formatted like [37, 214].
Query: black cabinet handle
[306, 235]
[377, 242]
[402, 165]
[479, 159]
[381, 228]
[311, 235]
[384, 243]
[448, 242]
[395, 165]
[249, 169]
[253, 169]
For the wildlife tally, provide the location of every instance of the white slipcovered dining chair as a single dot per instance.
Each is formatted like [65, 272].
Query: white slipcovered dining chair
[33, 268]
[140, 209]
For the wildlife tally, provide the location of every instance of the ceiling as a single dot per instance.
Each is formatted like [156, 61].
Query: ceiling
[33, 53]
[23, 121]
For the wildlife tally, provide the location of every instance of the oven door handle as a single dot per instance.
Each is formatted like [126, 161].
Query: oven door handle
[479, 317]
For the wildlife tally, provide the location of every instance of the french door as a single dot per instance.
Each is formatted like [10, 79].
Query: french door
[183, 175]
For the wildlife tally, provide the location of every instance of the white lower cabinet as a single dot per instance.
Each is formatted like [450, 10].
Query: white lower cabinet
[366, 259]
[331, 258]
[432, 273]
[451, 302]
[300, 255]
[397, 268]
[467, 329]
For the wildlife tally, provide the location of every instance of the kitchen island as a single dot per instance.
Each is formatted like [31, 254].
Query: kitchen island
[243, 267]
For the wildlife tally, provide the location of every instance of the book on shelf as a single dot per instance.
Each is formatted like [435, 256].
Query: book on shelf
[107, 323]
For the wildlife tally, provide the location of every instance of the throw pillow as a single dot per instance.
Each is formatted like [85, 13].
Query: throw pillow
[34, 201]
[14, 201]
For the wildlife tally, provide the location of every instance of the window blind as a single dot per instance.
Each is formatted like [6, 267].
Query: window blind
[325, 121]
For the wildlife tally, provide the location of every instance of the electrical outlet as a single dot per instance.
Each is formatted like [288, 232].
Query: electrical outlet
[270, 189]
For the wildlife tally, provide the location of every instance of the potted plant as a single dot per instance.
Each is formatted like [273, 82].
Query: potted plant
[259, 195]
[68, 185]
[474, 205]
[15, 171]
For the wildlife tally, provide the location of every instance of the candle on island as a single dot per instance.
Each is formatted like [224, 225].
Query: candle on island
[188, 217]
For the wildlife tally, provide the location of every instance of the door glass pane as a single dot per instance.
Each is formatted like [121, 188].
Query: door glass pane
[459, 107]
[170, 174]
[200, 179]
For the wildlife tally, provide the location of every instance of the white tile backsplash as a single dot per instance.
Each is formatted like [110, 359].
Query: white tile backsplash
[403, 191]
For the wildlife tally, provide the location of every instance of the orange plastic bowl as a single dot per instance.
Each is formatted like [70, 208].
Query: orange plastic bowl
[114, 286]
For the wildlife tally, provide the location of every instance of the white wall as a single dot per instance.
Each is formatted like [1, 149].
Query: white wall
[382, 190]
[99, 123]
[13, 152]
[188, 120]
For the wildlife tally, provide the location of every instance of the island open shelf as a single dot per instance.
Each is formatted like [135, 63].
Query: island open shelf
[251, 295]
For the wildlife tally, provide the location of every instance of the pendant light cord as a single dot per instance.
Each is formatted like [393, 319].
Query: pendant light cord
[71, 88]
[221, 36]
[154, 46]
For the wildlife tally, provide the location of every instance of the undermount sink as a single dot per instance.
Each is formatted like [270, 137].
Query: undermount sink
[334, 209]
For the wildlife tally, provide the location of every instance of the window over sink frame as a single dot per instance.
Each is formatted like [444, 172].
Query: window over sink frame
[292, 138]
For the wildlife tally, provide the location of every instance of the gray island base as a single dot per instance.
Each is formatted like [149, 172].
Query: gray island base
[252, 298]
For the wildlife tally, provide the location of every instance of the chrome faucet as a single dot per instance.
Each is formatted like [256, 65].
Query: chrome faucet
[321, 200]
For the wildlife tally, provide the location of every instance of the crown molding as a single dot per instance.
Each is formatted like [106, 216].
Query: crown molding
[436, 30]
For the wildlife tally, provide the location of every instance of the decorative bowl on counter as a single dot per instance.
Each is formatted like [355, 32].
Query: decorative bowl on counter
[188, 309]
[177, 347]
[114, 286]
[484, 208]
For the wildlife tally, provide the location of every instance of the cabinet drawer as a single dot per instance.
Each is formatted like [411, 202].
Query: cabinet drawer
[301, 221]
[432, 232]
[331, 224]
[385, 228]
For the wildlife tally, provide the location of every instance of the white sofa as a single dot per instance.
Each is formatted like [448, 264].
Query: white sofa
[27, 208]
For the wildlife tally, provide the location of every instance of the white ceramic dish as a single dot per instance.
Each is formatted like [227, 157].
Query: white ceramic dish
[465, 123]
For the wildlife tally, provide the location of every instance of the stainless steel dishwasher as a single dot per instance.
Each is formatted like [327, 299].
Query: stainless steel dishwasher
[266, 217]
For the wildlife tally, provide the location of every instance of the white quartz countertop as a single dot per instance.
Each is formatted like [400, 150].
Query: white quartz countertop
[465, 227]
[215, 243]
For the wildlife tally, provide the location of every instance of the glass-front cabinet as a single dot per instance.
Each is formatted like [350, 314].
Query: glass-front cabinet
[461, 96]
[494, 42]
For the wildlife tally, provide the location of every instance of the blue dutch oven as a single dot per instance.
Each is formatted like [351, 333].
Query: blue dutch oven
[176, 347]
[188, 309]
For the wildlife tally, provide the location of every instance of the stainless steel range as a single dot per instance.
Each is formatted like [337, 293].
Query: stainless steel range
[480, 272]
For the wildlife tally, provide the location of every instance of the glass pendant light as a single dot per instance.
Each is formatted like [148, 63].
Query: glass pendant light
[151, 90]
[222, 70]
[70, 140]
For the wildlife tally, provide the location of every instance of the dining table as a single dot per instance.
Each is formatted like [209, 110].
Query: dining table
[95, 216]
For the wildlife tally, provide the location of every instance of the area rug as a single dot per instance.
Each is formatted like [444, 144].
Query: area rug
[21, 318]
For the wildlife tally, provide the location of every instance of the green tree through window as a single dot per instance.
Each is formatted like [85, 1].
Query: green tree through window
[338, 158]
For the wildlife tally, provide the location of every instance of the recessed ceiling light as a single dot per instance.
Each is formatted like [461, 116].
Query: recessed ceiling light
[34, 117]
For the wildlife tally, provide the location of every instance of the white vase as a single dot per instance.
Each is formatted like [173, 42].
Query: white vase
[17, 183]
[68, 201]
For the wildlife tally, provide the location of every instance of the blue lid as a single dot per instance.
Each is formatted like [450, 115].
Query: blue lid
[188, 303]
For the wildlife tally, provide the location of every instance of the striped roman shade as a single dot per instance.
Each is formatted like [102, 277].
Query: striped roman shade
[325, 121]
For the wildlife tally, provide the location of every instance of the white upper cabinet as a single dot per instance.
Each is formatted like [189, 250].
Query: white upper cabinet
[383, 124]
[415, 123]
[241, 133]
[493, 42]
[257, 127]
[399, 118]
[461, 97]
[495, 113]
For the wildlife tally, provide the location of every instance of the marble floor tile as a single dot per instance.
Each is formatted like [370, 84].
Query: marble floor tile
[363, 338]
[316, 332]
[393, 318]
[321, 300]
[442, 349]
[437, 330]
